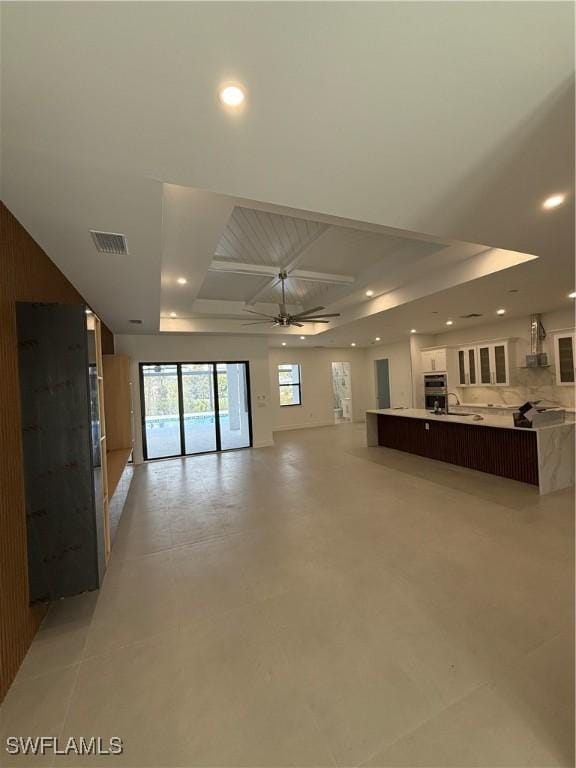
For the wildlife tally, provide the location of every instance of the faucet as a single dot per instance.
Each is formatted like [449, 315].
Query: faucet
[448, 398]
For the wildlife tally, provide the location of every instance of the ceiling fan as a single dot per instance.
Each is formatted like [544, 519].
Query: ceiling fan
[286, 320]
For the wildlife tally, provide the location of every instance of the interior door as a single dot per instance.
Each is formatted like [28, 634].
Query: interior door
[199, 408]
[383, 383]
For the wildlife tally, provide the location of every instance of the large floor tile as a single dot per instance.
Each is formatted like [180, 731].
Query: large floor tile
[317, 603]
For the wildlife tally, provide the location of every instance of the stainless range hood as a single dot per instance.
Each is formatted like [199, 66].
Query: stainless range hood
[536, 358]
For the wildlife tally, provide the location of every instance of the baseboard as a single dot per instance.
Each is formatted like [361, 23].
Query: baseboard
[309, 425]
[263, 444]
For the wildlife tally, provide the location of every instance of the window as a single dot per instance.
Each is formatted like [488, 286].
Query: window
[289, 384]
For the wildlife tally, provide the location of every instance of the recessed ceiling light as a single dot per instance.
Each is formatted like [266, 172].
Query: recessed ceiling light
[232, 95]
[181, 281]
[302, 338]
[283, 343]
[449, 322]
[553, 201]
[369, 293]
[377, 338]
[353, 344]
[500, 311]
[173, 314]
[572, 295]
[412, 330]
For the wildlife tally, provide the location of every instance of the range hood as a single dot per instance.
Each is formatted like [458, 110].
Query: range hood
[536, 358]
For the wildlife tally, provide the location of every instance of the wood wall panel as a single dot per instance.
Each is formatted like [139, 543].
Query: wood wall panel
[26, 274]
[118, 400]
[505, 452]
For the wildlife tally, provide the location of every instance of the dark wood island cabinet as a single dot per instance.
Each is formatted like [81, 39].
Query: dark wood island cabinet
[543, 457]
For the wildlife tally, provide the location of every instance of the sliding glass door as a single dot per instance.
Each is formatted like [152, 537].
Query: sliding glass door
[162, 424]
[199, 407]
[233, 402]
[192, 408]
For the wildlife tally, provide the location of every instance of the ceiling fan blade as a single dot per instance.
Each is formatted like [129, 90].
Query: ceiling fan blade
[305, 320]
[311, 311]
[298, 325]
[259, 322]
[261, 314]
[315, 317]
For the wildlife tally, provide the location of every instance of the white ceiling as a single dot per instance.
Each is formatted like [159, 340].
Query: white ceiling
[384, 121]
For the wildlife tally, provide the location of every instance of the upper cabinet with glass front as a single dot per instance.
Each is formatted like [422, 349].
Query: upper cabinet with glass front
[564, 356]
[493, 363]
[467, 366]
[485, 364]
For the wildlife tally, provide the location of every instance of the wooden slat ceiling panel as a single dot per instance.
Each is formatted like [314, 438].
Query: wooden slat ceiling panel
[259, 237]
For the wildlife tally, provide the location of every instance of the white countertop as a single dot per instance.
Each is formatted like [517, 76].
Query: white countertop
[488, 420]
[506, 407]
[484, 406]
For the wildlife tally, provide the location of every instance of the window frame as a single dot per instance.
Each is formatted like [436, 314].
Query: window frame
[297, 384]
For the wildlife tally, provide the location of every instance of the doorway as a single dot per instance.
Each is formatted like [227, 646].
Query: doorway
[383, 383]
[191, 408]
[342, 392]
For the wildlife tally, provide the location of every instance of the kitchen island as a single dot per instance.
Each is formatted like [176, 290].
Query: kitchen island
[542, 456]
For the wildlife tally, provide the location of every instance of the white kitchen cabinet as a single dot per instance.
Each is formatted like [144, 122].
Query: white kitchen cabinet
[493, 363]
[467, 366]
[564, 356]
[433, 360]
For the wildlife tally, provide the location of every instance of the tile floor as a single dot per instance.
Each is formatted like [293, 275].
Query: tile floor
[317, 603]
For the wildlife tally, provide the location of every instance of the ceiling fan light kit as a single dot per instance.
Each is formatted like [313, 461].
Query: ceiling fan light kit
[284, 319]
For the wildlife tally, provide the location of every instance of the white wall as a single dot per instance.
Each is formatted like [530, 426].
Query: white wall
[400, 371]
[317, 407]
[159, 348]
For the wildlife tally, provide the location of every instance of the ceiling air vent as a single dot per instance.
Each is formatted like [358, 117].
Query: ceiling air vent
[471, 314]
[110, 242]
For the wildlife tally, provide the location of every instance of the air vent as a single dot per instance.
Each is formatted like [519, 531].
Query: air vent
[110, 242]
[136, 322]
[471, 314]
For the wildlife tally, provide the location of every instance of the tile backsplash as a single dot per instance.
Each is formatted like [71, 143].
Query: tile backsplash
[529, 384]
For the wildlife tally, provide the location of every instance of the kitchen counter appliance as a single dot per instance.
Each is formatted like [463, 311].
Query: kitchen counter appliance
[435, 391]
